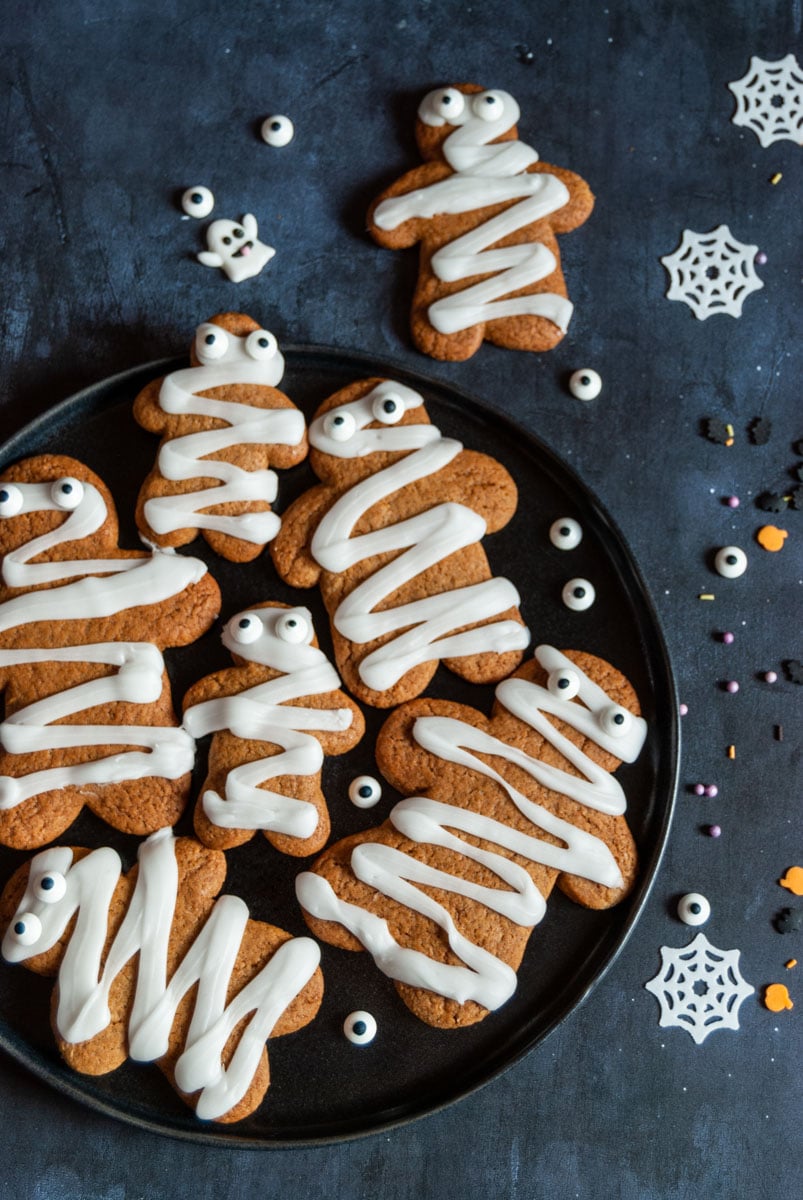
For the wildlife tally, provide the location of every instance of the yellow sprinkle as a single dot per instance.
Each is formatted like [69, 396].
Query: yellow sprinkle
[777, 177]
[792, 963]
[706, 596]
[729, 430]
[731, 751]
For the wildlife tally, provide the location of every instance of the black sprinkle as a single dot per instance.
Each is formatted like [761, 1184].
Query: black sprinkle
[793, 670]
[772, 502]
[779, 733]
[716, 430]
[759, 431]
[525, 54]
[798, 446]
[789, 920]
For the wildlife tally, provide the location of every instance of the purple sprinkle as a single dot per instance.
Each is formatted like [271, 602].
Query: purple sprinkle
[733, 501]
[770, 677]
[714, 831]
[683, 709]
[732, 687]
[761, 258]
[728, 638]
[712, 790]
[699, 789]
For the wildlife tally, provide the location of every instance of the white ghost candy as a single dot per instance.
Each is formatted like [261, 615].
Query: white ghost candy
[236, 248]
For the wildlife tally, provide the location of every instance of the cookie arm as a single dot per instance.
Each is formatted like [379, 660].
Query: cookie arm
[483, 484]
[147, 410]
[290, 549]
[581, 198]
[407, 233]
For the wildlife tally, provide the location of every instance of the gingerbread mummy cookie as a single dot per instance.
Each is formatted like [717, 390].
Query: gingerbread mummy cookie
[393, 536]
[224, 426]
[273, 716]
[446, 892]
[152, 967]
[487, 214]
[89, 717]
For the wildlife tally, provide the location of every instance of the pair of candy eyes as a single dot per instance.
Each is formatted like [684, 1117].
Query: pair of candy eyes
[450, 104]
[212, 344]
[49, 888]
[340, 426]
[66, 493]
[613, 719]
[290, 626]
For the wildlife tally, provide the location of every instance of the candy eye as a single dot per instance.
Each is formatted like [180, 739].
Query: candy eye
[585, 384]
[615, 720]
[360, 1028]
[261, 345]
[489, 106]
[50, 887]
[246, 628]
[292, 627]
[565, 533]
[578, 595]
[210, 343]
[27, 929]
[448, 103]
[277, 130]
[339, 426]
[731, 562]
[693, 909]
[365, 791]
[67, 493]
[10, 500]
[197, 202]
[389, 409]
[564, 683]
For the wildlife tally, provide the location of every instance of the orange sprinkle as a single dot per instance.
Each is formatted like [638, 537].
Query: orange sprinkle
[731, 751]
[776, 997]
[770, 537]
[792, 963]
[793, 881]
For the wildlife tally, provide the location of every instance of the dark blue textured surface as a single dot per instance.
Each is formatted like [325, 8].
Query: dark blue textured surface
[110, 111]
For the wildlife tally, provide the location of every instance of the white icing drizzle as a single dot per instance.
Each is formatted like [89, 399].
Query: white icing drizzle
[425, 539]
[486, 175]
[84, 985]
[482, 976]
[262, 713]
[242, 361]
[109, 586]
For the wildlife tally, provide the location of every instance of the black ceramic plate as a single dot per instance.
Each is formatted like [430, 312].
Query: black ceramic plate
[323, 1088]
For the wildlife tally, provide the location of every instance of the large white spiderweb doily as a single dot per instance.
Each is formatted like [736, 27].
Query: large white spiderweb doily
[712, 272]
[699, 988]
[769, 100]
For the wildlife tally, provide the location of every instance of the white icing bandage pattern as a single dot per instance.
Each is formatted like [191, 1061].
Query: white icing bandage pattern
[483, 977]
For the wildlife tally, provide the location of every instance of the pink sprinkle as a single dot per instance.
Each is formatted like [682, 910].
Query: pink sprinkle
[714, 831]
[732, 687]
[712, 790]
[732, 502]
[761, 258]
[699, 789]
[683, 709]
[728, 638]
[770, 677]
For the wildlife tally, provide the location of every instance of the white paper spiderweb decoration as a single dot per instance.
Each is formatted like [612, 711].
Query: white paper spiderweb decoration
[699, 988]
[712, 272]
[769, 100]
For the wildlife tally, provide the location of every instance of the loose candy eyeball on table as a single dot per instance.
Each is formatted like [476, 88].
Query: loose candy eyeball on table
[197, 202]
[578, 595]
[277, 130]
[730, 562]
[693, 909]
[360, 1028]
[585, 384]
[565, 533]
[365, 791]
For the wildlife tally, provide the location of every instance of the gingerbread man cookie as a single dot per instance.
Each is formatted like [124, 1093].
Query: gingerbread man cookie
[487, 214]
[152, 967]
[446, 892]
[89, 717]
[224, 426]
[393, 536]
[273, 716]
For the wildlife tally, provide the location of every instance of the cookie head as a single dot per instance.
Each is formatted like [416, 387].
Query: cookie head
[378, 416]
[45, 907]
[482, 116]
[50, 493]
[232, 339]
[269, 634]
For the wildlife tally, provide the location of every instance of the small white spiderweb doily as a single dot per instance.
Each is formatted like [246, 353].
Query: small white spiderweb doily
[699, 988]
[769, 100]
[712, 272]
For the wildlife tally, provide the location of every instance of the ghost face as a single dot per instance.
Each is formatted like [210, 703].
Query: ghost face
[235, 248]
